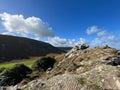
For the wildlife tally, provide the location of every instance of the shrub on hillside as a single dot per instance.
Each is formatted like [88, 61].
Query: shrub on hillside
[14, 75]
[2, 69]
[43, 64]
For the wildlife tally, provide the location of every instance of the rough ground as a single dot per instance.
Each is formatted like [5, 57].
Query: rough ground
[82, 69]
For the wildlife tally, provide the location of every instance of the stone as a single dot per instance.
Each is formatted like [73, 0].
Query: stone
[118, 52]
[84, 46]
[116, 60]
[105, 58]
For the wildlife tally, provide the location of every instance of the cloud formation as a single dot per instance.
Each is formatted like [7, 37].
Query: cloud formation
[20, 25]
[8, 33]
[105, 38]
[35, 28]
[102, 33]
[92, 30]
[63, 42]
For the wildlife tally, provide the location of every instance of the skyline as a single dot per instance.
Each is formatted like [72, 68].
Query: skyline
[63, 22]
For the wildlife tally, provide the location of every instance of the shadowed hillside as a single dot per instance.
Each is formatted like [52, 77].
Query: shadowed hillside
[12, 47]
[65, 48]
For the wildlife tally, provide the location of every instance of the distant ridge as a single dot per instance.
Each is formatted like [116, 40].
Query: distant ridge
[65, 48]
[12, 47]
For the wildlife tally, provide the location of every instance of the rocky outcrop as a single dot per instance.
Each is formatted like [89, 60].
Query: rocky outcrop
[83, 68]
[81, 47]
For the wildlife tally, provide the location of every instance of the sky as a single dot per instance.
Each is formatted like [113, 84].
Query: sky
[63, 22]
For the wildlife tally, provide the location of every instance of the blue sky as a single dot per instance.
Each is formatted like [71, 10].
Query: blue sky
[63, 22]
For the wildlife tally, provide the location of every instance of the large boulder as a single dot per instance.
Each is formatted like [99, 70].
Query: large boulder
[81, 46]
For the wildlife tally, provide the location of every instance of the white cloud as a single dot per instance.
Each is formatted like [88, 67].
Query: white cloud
[105, 38]
[82, 41]
[56, 41]
[31, 25]
[36, 28]
[96, 42]
[8, 33]
[102, 33]
[92, 30]
[59, 42]
[35, 38]
[63, 42]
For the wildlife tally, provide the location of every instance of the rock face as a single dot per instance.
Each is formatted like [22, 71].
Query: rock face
[83, 68]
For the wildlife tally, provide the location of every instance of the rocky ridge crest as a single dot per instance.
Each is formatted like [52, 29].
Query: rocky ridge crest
[83, 68]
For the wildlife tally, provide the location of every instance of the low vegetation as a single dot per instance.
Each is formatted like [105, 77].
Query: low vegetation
[11, 64]
[94, 87]
[1, 69]
[82, 81]
[14, 75]
[43, 64]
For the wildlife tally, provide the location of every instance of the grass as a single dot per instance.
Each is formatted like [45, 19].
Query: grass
[28, 63]
[82, 81]
[95, 87]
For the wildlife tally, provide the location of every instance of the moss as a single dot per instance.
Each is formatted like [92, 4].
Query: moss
[95, 87]
[35, 74]
[56, 63]
[82, 81]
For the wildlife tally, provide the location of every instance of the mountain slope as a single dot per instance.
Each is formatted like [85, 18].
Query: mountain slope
[12, 47]
[65, 48]
[82, 68]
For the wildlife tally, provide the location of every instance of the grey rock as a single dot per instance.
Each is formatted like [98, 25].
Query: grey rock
[116, 60]
[105, 57]
[81, 46]
[118, 52]
[83, 69]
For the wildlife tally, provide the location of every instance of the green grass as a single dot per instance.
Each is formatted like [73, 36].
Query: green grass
[28, 63]
[82, 81]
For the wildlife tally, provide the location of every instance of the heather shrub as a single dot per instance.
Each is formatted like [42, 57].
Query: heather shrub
[43, 64]
[14, 75]
[2, 69]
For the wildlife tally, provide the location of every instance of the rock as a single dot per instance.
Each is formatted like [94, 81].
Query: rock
[118, 52]
[105, 47]
[84, 46]
[76, 50]
[81, 46]
[49, 69]
[82, 69]
[105, 58]
[116, 61]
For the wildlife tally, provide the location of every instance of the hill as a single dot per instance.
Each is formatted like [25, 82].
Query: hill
[65, 48]
[12, 47]
[82, 68]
